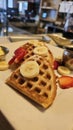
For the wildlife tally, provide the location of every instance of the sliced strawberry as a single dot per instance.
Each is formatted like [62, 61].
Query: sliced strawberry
[65, 82]
[19, 57]
[19, 53]
[19, 50]
[55, 65]
[11, 60]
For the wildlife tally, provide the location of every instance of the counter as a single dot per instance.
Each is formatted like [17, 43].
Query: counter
[23, 114]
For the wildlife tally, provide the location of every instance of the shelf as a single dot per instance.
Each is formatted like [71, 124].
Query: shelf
[49, 12]
[48, 7]
[47, 20]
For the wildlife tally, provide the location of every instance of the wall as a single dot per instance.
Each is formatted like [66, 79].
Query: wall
[11, 3]
[14, 3]
[3, 4]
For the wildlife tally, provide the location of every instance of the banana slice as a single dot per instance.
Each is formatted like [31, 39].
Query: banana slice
[29, 69]
[63, 70]
[42, 50]
[3, 65]
[36, 43]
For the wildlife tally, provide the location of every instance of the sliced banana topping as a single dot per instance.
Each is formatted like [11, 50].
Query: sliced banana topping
[36, 43]
[42, 50]
[29, 69]
[63, 70]
[3, 65]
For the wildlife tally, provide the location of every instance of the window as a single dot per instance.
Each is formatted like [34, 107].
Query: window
[23, 5]
[10, 3]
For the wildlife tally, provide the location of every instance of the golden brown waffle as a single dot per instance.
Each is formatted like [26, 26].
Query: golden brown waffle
[42, 88]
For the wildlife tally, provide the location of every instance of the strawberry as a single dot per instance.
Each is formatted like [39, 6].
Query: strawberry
[19, 57]
[65, 82]
[11, 60]
[19, 53]
[55, 65]
[19, 50]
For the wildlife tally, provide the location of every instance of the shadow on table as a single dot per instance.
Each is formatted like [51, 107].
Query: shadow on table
[4, 123]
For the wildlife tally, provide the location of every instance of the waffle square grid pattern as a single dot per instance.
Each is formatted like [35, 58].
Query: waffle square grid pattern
[41, 88]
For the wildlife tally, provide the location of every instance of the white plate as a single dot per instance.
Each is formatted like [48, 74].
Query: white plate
[61, 41]
[24, 114]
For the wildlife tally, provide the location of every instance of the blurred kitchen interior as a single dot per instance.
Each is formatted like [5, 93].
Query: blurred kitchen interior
[33, 16]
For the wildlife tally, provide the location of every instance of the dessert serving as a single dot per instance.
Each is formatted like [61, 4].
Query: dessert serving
[34, 76]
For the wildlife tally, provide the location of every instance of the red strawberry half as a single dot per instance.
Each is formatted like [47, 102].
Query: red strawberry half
[19, 50]
[65, 82]
[55, 65]
[19, 53]
[11, 60]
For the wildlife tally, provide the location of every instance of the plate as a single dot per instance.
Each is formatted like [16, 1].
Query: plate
[61, 41]
[5, 49]
[69, 46]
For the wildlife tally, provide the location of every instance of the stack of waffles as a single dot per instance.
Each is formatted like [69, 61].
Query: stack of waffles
[34, 76]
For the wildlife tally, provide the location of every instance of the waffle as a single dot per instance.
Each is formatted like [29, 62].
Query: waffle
[42, 88]
[29, 47]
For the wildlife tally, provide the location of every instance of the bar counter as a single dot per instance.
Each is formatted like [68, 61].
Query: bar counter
[24, 114]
